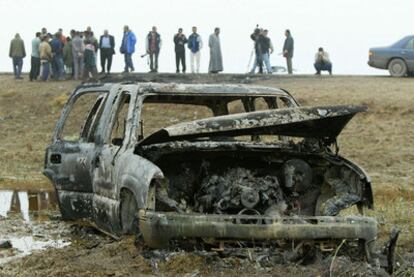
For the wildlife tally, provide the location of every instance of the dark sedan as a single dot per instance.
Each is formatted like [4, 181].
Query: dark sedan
[397, 58]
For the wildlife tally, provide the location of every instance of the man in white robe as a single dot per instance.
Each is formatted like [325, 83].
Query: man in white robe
[216, 60]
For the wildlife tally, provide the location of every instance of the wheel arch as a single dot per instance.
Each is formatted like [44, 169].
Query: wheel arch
[359, 185]
[394, 58]
[139, 188]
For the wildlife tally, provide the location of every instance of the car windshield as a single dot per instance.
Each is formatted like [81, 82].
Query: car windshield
[400, 43]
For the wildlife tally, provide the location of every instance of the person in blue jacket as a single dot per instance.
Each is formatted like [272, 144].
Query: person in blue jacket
[195, 44]
[58, 70]
[128, 48]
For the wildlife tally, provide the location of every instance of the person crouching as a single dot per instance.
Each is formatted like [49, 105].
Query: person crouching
[322, 62]
[89, 60]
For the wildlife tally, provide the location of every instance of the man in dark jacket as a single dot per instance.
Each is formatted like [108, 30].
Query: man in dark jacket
[153, 48]
[57, 60]
[288, 50]
[180, 40]
[264, 48]
[35, 58]
[68, 56]
[258, 60]
[89, 60]
[107, 47]
[17, 53]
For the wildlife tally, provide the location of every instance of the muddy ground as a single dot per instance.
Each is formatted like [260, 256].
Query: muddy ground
[381, 141]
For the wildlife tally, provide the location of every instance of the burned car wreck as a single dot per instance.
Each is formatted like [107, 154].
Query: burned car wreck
[264, 171]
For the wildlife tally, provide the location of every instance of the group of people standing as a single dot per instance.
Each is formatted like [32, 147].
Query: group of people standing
[58, 57]
[263, 47]
[75, 56]
[194, 44]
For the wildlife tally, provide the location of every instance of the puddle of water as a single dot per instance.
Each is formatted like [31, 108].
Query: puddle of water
[26, 223]
[27, 244]
[27, 203]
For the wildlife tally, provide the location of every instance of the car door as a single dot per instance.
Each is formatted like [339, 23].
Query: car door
[105, 183]
[407, 53]
[70, 157]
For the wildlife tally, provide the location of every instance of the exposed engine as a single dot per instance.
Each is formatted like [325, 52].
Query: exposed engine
[239, 191]
[280, 189]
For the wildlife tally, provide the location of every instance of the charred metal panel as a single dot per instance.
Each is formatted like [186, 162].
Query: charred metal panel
[316, 122]
[135, 173]
[106, 214]
[75, 205]
[158, 228]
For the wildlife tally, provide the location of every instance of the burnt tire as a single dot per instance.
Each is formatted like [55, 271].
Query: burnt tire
[129, 213]
[397, 68]
[150, 203]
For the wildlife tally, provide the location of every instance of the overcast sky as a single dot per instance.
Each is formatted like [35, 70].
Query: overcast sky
[346, 29]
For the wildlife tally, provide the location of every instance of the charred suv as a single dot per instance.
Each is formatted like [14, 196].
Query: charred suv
[211, 162]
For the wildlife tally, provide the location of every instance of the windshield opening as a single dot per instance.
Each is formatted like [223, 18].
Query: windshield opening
[161, 111]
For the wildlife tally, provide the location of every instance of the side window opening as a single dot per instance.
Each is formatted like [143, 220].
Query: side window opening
[119, 125]
[236, 106]
[155, 116]
[82, 116]
[93, 120]
[254, 104]
[410, 44]
[266, 103]
[283, 103]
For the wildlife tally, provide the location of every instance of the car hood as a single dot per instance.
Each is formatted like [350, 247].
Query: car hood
[323, 122]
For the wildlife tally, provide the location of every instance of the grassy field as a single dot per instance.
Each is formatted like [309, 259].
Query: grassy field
[380, 140]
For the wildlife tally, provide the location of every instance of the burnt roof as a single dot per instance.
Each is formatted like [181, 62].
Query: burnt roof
[190, 89]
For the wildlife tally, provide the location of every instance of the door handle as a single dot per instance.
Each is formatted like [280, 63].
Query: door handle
[56, 158]
[403, 52]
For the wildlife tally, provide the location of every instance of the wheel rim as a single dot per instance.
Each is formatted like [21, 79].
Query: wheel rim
[397, 68]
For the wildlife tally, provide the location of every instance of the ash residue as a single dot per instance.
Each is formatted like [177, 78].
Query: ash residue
[267, 260]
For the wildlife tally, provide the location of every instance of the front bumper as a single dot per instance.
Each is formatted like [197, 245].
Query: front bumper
[158, 228]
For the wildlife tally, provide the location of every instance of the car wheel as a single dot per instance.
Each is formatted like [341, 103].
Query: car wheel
[397, 68]
[129, 213]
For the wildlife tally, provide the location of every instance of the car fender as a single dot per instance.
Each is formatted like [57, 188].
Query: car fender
[396, 57]
[367, 195]
[136, 173]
